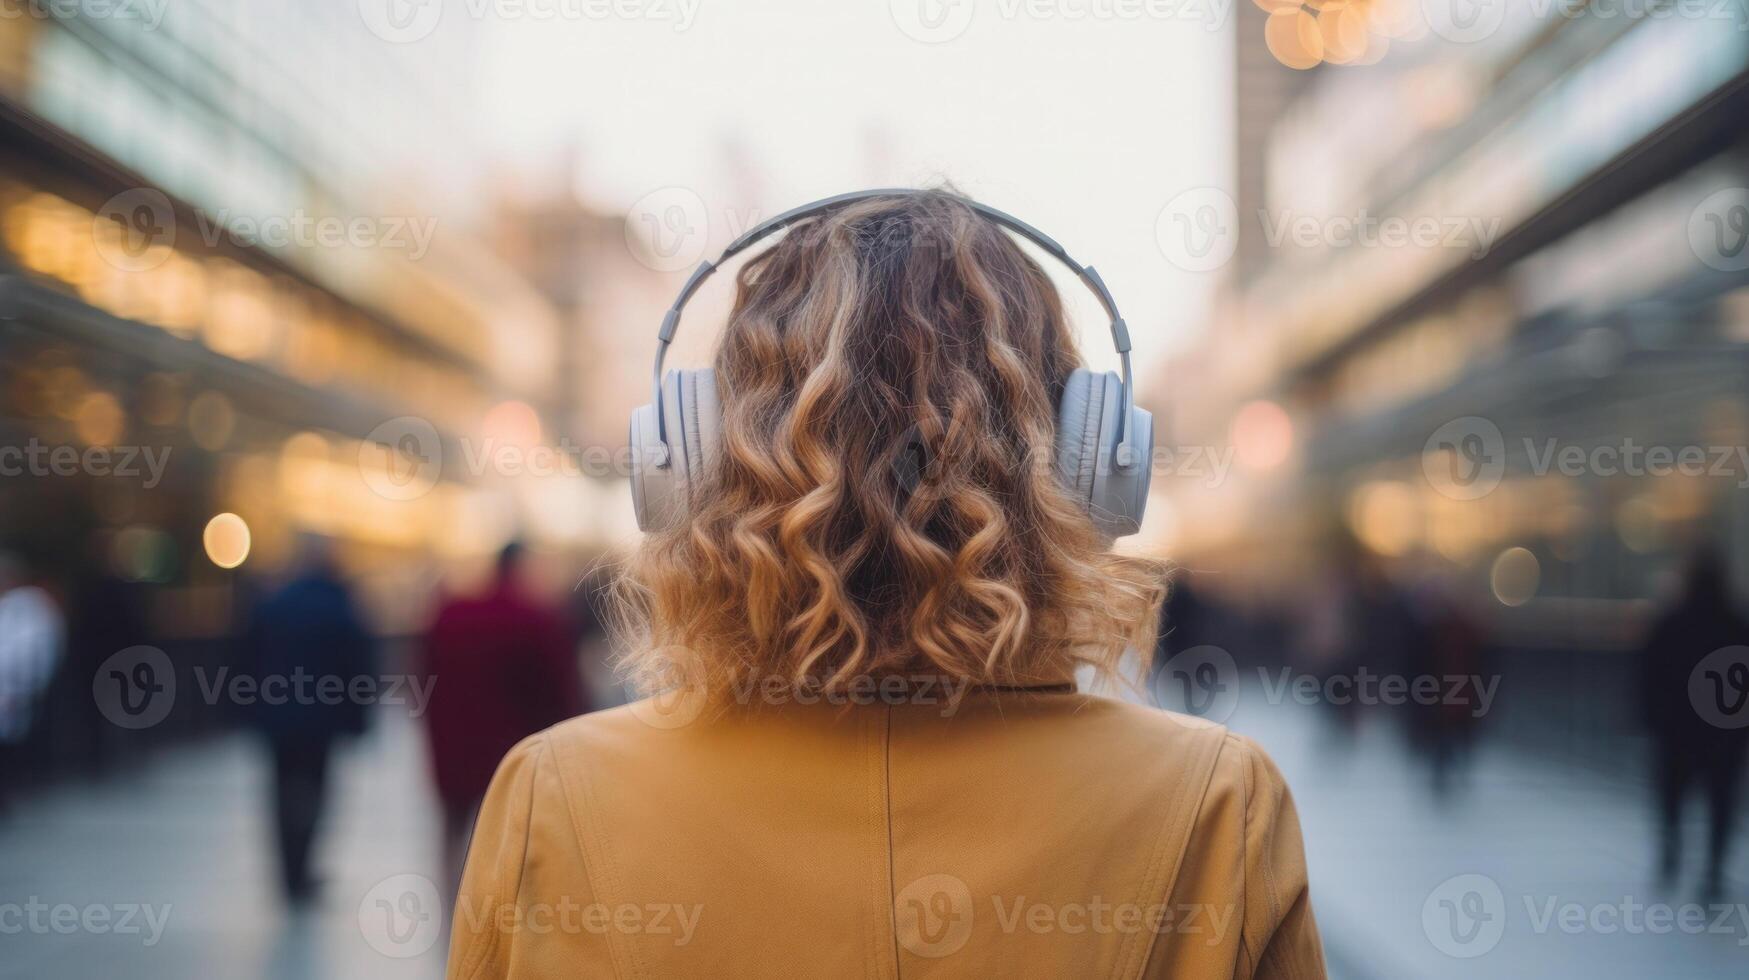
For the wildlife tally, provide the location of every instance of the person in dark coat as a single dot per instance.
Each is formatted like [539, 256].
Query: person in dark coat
[306, 649]
[1697, 744]
[501, 666]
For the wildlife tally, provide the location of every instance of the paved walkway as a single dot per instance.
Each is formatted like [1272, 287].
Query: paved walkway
[1531, 871]
[184, 842]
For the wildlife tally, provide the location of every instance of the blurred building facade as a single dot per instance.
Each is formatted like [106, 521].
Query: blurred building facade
[227, 288]
[1582, 288]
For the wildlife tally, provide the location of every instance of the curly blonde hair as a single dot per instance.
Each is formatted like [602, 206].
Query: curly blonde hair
[884, 503]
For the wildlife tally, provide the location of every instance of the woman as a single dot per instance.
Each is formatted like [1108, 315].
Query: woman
[874, 607]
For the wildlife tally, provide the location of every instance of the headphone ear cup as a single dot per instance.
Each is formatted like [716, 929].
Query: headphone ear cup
[1087, 436]
[1078, 433]
[1120, 496]
[664, 471]
[652, 483]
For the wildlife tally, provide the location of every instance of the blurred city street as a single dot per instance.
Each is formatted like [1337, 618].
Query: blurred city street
[186, 830]
[1379, 847]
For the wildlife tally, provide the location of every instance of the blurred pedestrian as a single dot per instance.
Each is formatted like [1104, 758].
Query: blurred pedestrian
[1454, 645]
[107, 614]
[1690, 750]
[298, 637]
[31, 635]
[503, 666]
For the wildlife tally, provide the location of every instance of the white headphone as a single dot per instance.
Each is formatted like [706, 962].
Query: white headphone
[1104, 442]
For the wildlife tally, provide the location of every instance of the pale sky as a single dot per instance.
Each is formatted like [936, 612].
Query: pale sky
[1085, 126]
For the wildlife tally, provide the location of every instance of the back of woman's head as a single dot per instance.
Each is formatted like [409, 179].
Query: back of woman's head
[885, 503]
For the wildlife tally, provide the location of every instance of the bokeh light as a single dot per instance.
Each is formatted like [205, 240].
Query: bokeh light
[1515, 576]
[226, 539]
[1263, 435]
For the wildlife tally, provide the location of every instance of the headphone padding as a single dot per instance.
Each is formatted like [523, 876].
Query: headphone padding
[692, 418]
[1087, 434]
[652, 485]
[1077, 435]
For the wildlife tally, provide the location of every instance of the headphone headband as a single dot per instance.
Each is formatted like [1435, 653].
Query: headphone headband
[1120, 334]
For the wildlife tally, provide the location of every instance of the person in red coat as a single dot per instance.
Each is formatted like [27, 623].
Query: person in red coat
[503, 666]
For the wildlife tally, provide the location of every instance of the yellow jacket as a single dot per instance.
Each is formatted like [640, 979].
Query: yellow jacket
[997, 833]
